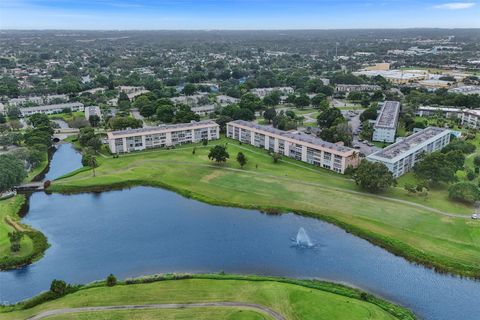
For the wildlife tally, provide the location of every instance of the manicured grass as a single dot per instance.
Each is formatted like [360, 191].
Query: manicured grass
[177, 314]
[394, 221]
[294, 299]
[66, 116]
[33, 243]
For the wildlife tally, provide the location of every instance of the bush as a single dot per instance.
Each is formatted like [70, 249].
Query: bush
[58, 287]
[464, 192]
[470, 175]
[111, 280]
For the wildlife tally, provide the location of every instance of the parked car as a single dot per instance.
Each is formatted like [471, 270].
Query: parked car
[475, 216]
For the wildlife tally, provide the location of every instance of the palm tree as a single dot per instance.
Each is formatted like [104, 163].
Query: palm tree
[92, 162]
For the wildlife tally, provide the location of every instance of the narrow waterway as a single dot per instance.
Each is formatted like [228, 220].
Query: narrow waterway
[144, 230]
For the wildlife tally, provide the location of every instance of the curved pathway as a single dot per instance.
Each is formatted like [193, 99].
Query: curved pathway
[257, 307]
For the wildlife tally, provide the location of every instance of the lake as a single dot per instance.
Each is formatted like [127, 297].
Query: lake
[144, 230]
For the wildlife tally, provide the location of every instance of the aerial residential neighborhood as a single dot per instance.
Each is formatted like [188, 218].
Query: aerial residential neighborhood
[240, 160]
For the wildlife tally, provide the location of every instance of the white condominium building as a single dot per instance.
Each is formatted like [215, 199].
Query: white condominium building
[162, 136]
[471, 118]
[386, 124]
[298, 146]
[52, 108]
[400, 157]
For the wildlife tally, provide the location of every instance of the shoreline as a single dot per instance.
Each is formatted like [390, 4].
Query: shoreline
[396, 310]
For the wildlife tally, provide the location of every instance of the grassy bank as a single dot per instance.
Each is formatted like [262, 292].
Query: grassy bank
[402, 224]
[33, 243]
[294, 299]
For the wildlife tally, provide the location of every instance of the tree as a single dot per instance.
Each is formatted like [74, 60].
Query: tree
[373, 176]
[12, 172]
[456, 158]
[434, 168]
[272, 99]
[218, 153]
[92, 163]
[318, 99]
[39, 120]
[189, 89]
[369, 114]
[58, 287]
[165, 113]
[302, 101]
[367, 131]
[111, 280]
[476, 161]
[276, 157]
[94, 120]
[269, 114]
[15, 238]
[464, 192]
[241, 159]
[463, 146]
[329, 117]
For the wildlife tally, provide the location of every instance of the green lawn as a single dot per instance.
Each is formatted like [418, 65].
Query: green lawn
[174, 314]
[9, 217]
[294, 300]
[66, 116]
[401, 223]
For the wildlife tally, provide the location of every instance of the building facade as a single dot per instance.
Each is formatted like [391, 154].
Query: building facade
[385, 126]
[93, 111]
[298, 146]
[400, 157]
[52, 108]
[471, 118]
[162, 136]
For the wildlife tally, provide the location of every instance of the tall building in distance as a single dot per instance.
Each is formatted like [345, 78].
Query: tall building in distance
[385, 126]
[301, 147]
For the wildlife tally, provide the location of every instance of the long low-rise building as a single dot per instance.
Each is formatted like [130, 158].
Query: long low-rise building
[401, 156]
[294, 145]
[162, 136]
[471, 118]
[52, 108]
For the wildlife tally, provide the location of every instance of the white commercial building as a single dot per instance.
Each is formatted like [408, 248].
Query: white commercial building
[162, 136]
[301, 147]
[447, 112]
[400, 157]
[203, 110]
[52, 108]
[385, 126]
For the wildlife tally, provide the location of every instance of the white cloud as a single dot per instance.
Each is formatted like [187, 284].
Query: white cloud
[455, 5]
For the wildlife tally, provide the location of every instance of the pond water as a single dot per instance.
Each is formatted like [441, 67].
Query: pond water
[143, 230]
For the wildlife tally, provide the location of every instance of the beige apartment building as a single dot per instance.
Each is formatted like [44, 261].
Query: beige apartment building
[301, 147]
[162, 136]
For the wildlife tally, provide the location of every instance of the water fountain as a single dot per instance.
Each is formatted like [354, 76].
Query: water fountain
[302, 239]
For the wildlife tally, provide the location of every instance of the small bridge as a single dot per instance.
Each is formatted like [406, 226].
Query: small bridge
[31, 186]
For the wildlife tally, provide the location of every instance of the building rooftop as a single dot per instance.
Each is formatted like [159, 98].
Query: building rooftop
[296, 136]
[388, 116]
[410, 142]
[163, 127]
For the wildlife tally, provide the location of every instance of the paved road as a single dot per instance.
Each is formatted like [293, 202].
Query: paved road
[273, 314]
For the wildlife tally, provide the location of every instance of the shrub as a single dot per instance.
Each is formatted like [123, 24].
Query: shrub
[111, 280]
[464, 192]
[58, 287]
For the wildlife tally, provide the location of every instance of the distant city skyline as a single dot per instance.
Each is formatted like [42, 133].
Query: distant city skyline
[236, 14]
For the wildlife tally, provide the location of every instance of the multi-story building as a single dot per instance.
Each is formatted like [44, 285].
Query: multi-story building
[447, 112]
[471, 118]
[301, 147]
[400, 157]
[162, 136]
[93, 111]
[385, 126]
[37, 100]
[52, 108]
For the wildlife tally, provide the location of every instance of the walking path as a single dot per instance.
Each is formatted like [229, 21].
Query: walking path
[273, 314]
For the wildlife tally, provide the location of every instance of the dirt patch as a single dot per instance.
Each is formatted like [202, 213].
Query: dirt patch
[213, 175]
[15, 225]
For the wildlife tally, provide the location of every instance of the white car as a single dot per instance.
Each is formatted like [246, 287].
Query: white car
[475, 216]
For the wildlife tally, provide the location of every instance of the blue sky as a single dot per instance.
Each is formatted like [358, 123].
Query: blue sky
[237, 14]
